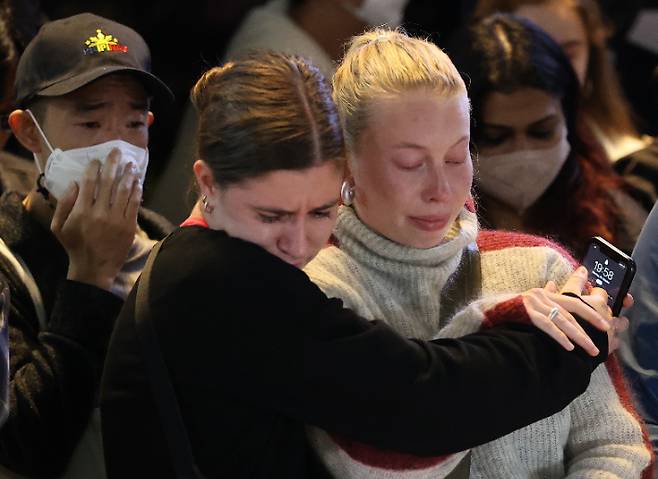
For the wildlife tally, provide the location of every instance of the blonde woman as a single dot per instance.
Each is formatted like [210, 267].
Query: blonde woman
[407, 226]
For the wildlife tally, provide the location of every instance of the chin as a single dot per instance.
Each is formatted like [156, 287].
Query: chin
[421, 241]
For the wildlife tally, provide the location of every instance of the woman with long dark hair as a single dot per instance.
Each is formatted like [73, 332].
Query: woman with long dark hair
[537, 171]
[581, 30]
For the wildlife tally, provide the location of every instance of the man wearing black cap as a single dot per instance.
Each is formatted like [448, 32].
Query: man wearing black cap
[75, 243]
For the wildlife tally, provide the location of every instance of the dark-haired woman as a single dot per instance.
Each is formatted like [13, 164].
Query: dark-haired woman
[255, 351]
[581, 29]
[537, 171]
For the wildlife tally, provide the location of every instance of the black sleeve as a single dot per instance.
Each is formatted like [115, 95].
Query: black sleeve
[54, 377]
[277, 342]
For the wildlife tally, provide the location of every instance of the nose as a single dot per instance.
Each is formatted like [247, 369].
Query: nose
[293, 240]
[436, 186]
[116, 128]
[520, 143]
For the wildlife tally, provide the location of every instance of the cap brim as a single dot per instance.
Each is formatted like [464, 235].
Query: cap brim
[152, 83]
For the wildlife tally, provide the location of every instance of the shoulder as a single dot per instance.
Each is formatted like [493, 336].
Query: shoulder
[490, 241]
[522, 260]
[263, 24]
[631, 218]
[154, 224]
[195, 257]
[16, 173]
[336, 274]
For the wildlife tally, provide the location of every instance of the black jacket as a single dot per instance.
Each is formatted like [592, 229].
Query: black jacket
[54, 373]
[256, 351]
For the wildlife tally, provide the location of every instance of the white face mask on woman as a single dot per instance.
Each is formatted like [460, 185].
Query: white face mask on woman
[65, 167]
[379, 12]
[518, 179]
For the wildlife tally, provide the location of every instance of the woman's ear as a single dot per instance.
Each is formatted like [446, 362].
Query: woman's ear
[24, 129]
[204, 178]
[350, 168]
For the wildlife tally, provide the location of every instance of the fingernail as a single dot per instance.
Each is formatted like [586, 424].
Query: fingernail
[581, 270]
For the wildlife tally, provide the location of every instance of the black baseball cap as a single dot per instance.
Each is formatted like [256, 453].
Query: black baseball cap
[69, 53]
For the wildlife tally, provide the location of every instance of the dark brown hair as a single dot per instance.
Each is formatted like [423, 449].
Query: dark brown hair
[267, 112]
[504, 53]
[603, 100]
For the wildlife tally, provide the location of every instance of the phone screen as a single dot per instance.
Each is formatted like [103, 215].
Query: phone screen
[604, 272]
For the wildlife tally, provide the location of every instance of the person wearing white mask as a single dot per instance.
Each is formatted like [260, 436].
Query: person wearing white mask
[73, 247]
[537, 171]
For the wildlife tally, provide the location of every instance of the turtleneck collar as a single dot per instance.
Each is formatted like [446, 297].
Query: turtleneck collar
[359, 241]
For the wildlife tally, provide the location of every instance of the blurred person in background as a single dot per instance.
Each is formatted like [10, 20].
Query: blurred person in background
[18, 24]
[536, 171]
[313, 29]
[578, 26]
[638, 350]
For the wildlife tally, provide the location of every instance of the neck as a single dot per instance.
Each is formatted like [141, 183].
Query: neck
[330, 24]
[197, 212]
[39, 208]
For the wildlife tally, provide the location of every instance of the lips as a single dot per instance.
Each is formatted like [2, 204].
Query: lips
[429, 223]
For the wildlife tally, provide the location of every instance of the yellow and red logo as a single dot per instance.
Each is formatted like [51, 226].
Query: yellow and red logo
[103, 43]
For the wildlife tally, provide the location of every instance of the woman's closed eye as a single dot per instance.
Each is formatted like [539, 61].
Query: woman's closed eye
[269, 218]
[457, 159]
[91, 125]
[322, 214]
[408, 164]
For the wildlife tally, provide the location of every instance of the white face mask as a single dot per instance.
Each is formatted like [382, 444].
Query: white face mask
[65, 167]
[379, 12]
[519, 178]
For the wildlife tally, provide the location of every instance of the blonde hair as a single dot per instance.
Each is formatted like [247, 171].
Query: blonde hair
[383, 63]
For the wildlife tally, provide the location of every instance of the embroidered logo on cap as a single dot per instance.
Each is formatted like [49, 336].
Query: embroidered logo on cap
[103, 43]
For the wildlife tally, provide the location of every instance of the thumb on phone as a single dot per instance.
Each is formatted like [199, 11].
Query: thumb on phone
[576, 282]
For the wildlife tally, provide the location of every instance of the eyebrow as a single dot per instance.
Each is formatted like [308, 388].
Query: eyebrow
[415, 146]
[507, 127]
[91, 106]
[281, 212]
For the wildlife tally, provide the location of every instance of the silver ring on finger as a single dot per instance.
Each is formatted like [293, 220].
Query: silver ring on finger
[553, 313]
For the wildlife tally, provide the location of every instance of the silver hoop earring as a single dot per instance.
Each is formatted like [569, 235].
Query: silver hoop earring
[347, 193]
[207, 207]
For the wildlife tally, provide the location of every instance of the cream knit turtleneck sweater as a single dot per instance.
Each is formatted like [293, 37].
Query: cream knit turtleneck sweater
[596, 436]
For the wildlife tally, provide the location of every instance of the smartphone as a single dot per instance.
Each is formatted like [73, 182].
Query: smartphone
[611, 269]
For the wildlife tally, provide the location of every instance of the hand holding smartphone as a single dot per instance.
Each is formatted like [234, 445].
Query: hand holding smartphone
[611, 269]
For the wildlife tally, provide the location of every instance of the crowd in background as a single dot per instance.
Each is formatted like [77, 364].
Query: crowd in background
[430, 176]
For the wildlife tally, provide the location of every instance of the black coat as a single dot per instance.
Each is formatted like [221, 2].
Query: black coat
[256, 351]
[55, 372]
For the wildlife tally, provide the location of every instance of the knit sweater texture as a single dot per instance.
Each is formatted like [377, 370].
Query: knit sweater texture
[598, 435]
